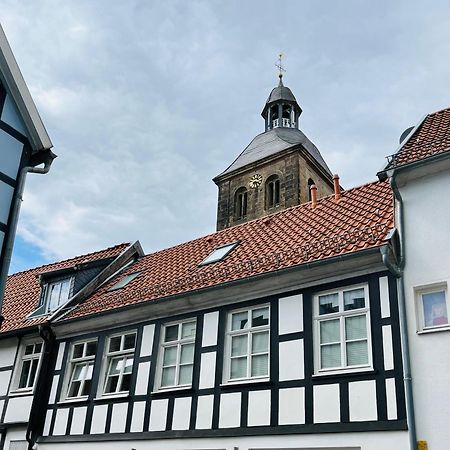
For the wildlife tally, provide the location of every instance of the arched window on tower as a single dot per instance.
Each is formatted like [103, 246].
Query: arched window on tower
[310, 183]
[287, 116]
[272, 192]
[240, 203]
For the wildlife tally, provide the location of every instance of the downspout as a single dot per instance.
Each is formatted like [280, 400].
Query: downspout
[43, 387]
[398, 271]
[48, 157]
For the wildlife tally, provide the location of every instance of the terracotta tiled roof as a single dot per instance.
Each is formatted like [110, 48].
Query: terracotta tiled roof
[430, 138]
[359, 220]
[23, 290]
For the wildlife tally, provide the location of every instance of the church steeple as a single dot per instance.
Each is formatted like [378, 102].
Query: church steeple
[281, 109]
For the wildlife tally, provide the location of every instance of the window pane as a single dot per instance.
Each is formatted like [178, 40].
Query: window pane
[34, 365]
[115, 366]
[129, 341]
[168, 376]
[238, 368]
[354, 299]
[330, 356]
[74, 387]
[434, 309]
[329, 331]
[126, 380]
[357, 353]
[260, 342]
[53, 296]
[260, 317]
[260, 365]
[65, 291]
[114, 344]
[78, 372]
[29, 349]
[185, 374]
[171, 333]
[355, 328]
[24, 374]
[170, 356]
[328, 304]
[37, 348]
[91, 348]
[86, 387]
[187, 354]
[128, 365]
[111, 384]
[239, 321]
[188, 330]
[239, 345]
[78, 350]
[90, 369]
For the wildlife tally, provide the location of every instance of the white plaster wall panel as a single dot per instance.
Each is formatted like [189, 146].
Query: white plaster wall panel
[5, 376]
[147, 340]
[137, 419]
[362, 401]
[291, 360]
[60, 356]
[11, 116]
[207, 370]
[384, 297]
[258, 408]
[48, 422]
[8, 349]
[158, 415]
[99, 419]
[78, 420]
[181, 413]
[118, 418]
[391, 399]
[210, 326]
[18, 409]
[290, 319]
[62, 414]
[326, 403]
[11, 154]
[2, 404]
[291, 406]
[6, 193]
[53, 390]
[230, 410]
[388, 352]
[205, 404]
[142, 378]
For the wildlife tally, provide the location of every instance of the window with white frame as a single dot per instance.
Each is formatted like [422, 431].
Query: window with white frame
[248, 344]
[119, 363]
[81, 368]
[56, 294]
[28, 366]
[177, 354]
[342, 329]
[432, 307]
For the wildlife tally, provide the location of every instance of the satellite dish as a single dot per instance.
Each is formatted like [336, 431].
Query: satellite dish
[404, 134]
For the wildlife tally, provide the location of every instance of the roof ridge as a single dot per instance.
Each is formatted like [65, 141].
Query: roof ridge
[439, 111]
[68, 259]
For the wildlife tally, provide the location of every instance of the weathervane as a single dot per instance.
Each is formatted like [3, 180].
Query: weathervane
[280, 67]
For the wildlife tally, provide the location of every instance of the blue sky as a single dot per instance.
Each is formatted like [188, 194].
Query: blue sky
[146, 102]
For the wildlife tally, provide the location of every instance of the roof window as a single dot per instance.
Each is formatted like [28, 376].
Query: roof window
[219, 253]
[124, 281]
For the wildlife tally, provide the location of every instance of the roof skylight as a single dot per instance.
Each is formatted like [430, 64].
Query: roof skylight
[219, 253]
[124, 281]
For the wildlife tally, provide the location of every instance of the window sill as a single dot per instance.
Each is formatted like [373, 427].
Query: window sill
[23, 393]
[112, 396]
[434, 329]
[246, 382]
[73, 400]
[345, 372]
[171, 390]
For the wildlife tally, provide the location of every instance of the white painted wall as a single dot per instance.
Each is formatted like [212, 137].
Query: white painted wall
[389, 440]
[427, 234]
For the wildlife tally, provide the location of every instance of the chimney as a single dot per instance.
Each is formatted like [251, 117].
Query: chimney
[313, 196]
[337, 189]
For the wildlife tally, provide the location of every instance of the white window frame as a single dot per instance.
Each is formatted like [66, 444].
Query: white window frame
[420, 317]
[21, 358]
[341, 315]
[111, 356]
[179, 343]
[250, 331]
[72, 363]
[46, 294]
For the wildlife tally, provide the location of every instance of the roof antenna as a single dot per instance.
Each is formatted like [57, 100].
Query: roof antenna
[281, 69]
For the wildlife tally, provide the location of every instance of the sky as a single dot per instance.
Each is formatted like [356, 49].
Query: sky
[147, 101]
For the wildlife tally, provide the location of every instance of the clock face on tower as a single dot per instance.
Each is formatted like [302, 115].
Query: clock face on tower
[255, 180]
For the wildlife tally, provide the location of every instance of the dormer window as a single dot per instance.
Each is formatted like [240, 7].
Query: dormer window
[57, 293]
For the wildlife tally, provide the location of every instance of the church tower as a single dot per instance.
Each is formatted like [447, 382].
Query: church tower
[276, 170]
